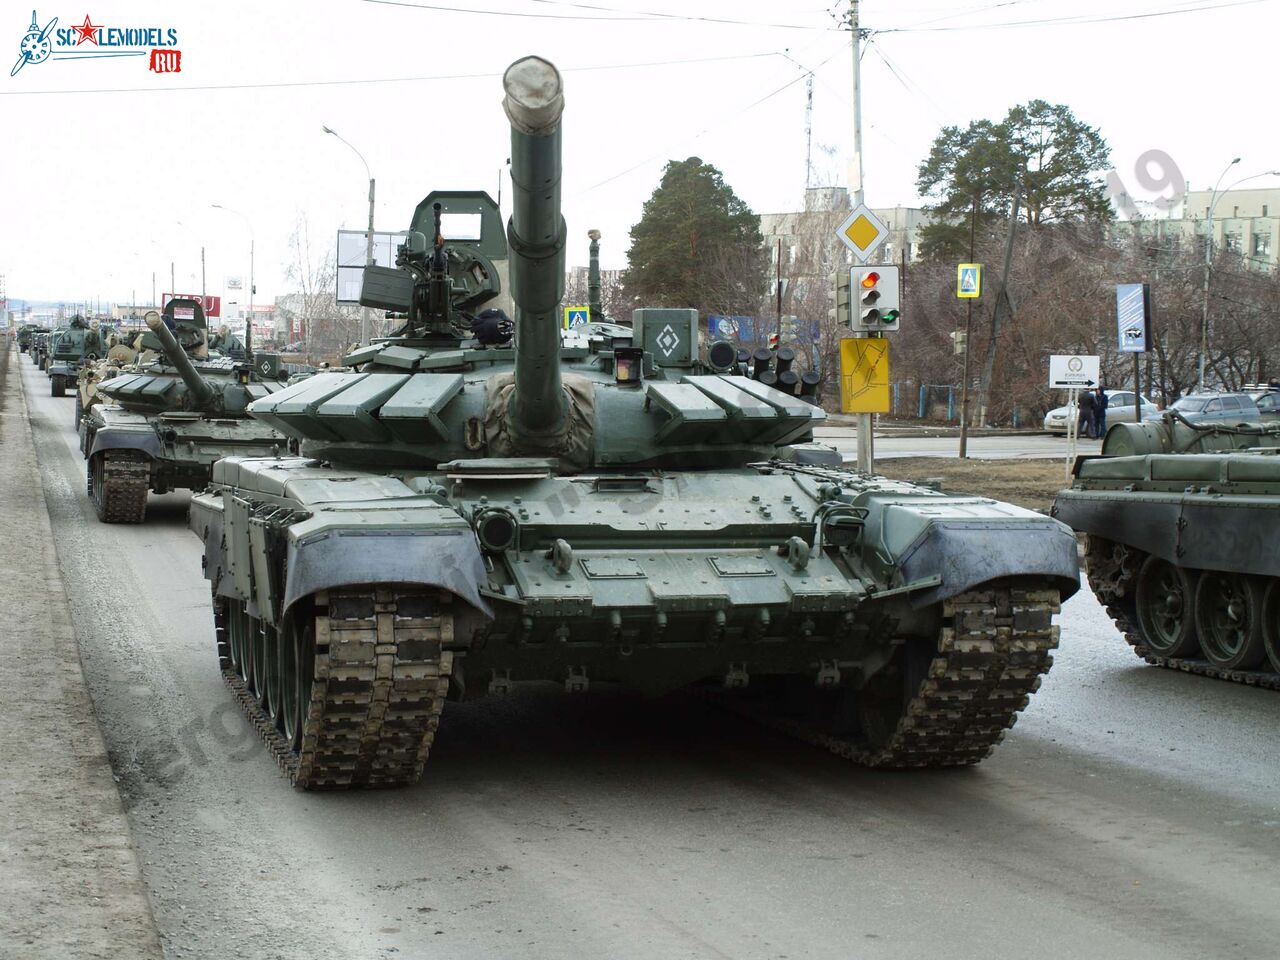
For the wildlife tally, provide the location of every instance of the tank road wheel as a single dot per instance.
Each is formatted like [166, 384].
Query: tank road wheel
[269, 641]
[1165, 604]
[261, 661]
[118, 485]
[297, 669]
[1229, 619]
[238, 652]
[1271, 622]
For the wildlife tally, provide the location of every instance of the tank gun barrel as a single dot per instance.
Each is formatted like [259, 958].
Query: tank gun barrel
[536, 235]
[201, 392]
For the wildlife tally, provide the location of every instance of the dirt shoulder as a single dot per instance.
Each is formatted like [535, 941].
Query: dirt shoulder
[70, 884]
[1028, 483]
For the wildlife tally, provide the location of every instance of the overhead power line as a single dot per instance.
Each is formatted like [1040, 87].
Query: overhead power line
[755, 103]
[1074, 20]
[621, 16]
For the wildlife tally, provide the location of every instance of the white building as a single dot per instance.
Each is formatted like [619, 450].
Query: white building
[1245, 222]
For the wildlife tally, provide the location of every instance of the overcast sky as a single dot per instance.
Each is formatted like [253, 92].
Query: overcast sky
[110, 170]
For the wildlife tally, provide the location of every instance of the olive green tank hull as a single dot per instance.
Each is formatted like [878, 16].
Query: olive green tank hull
[1181, 550]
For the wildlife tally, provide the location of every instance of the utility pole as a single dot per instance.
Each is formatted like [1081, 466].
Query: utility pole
[202, 276]
[866, 443]
[1002, 299]
[153, 289]
[808, 132]
[366, 314]
[777, 284]
[172, 285]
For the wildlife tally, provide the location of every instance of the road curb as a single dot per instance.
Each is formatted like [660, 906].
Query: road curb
[70, 881]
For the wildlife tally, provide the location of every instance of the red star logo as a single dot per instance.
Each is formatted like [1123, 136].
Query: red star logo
[87, 31]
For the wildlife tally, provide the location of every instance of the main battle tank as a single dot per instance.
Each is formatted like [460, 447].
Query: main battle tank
[40, 347]
[25, 333]
[169, 421]
[124, 353]
[1182, 523]
[471, 512]
[69, 349]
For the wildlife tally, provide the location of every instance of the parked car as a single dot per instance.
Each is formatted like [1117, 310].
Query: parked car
[1267, 397]
[1119, 407]
[1217, 407]
[1269, 404]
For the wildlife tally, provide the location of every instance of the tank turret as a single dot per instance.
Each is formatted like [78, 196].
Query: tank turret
[1174, 433]
[536, 235]
[200, 392]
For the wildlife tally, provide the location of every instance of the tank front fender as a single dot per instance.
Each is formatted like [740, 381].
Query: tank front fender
[965, 554]
[112, 438]
[449, 559]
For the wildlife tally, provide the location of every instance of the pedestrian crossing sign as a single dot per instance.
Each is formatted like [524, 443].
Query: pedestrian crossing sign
[969, 281]
[576, 317]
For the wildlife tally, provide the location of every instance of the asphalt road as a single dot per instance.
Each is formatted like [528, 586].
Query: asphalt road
[1131, 813]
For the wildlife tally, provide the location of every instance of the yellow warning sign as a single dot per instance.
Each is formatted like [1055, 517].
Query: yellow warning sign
[864, 375]
[969, 281]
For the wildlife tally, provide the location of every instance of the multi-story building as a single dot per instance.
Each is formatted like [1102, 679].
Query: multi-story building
[800, 234]
[1245, 222]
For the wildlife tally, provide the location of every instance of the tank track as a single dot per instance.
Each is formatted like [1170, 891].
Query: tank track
[126, 480]
[991, 653]
[1111, 579]
[380, 678]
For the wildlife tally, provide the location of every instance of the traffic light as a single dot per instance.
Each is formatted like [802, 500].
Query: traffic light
[876, 291]
[840, 296]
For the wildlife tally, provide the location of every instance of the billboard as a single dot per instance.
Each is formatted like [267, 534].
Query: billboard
[212, 305]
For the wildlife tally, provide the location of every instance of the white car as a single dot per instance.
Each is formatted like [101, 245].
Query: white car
[1119, 407]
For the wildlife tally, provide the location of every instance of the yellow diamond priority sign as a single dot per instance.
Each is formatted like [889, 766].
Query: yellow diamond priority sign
[862, 232]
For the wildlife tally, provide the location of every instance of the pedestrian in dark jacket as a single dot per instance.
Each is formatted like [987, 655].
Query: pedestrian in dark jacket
[1085, 404]
[1099, 414]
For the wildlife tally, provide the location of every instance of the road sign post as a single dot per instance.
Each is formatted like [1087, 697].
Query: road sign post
[969, 281]
[1073, 372]
[1133, 331]
[968, 289]
[576, 317]
[864, 375]
[863, 233]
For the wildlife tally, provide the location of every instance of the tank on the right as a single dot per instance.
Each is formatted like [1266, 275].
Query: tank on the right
[1182, 543]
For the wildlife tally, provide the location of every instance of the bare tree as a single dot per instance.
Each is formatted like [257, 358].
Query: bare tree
[311, 311]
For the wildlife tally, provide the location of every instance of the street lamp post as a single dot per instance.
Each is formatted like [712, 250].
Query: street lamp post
[252, 287]
[1208, 268]
[365, 320]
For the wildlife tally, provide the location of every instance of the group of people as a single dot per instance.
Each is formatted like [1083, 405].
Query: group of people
[1092, 406]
